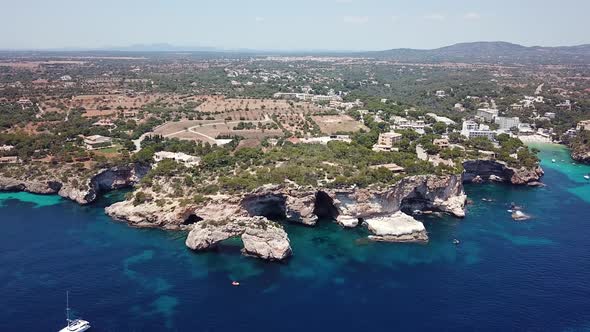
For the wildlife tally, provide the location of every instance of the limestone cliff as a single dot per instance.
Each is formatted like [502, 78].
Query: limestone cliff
[422, 193]
[31, 186]
[496, 171]
[261, 238]
[348, 207]
[86, 190]
[581, 155]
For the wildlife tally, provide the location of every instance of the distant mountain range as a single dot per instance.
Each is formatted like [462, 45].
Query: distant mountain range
[490, 52]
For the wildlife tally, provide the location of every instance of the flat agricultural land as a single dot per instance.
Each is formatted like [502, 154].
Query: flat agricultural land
[228, 113]
[208, 131]
[331, 124]
[218, 104]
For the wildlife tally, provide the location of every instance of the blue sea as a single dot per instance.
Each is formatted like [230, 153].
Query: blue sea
[504, 276]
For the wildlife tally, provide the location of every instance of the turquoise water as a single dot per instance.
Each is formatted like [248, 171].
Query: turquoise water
[504, 275]
[565, 165]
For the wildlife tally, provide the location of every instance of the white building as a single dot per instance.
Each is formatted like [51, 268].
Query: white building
[415, 125]
[442, 119]
[96, 142]
[441, 93]
[471, 130]
[507, 123]
[326, 139]
[180, 157]
[487, 114]
[550, 115]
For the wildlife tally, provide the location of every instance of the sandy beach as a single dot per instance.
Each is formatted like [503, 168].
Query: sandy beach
[535, 139]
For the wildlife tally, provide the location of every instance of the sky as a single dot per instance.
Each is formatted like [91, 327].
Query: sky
[291, 24]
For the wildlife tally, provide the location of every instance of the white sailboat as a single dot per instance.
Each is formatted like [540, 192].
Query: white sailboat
[76, 325]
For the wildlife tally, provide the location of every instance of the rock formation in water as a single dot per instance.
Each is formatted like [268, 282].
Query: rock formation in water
[87, 190]
[261, 238]
[476, 171]
[398, 227]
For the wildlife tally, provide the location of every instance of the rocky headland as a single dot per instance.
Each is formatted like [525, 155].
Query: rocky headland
[478, 171]
[579, 146]
[386, 212]
[80, 189]
[581, 155]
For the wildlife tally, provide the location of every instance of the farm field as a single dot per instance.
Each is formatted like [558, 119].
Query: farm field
[332, 124]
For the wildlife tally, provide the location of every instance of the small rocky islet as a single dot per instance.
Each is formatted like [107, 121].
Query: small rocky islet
[252, 215]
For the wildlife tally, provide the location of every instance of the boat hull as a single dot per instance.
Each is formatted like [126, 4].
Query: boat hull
[76, 326]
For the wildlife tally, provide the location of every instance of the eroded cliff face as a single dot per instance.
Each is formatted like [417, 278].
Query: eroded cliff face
[105, 180]
[581, 155]
[476, 171]
[35, 187]
[422, 193]
[351, 207]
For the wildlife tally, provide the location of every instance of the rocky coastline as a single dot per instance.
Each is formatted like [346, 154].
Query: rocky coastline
[581, 155]
[85, 193]
[254, 216]
[385, 212]
[479, 171]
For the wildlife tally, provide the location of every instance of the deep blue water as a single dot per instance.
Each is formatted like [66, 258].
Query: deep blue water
[505, 275]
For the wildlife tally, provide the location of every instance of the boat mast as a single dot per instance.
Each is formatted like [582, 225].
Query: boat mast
[68, 307]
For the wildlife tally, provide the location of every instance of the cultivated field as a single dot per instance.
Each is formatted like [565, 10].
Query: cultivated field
[218, 104]
[331, 124]
[208, 131]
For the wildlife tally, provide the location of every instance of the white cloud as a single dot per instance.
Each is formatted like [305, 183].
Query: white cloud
[356, 19]
[435, 17]
[394, 18]
[472, 16]
[259, 19]
[343, 1]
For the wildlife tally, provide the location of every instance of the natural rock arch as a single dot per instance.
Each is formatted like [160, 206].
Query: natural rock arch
[324, 206]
